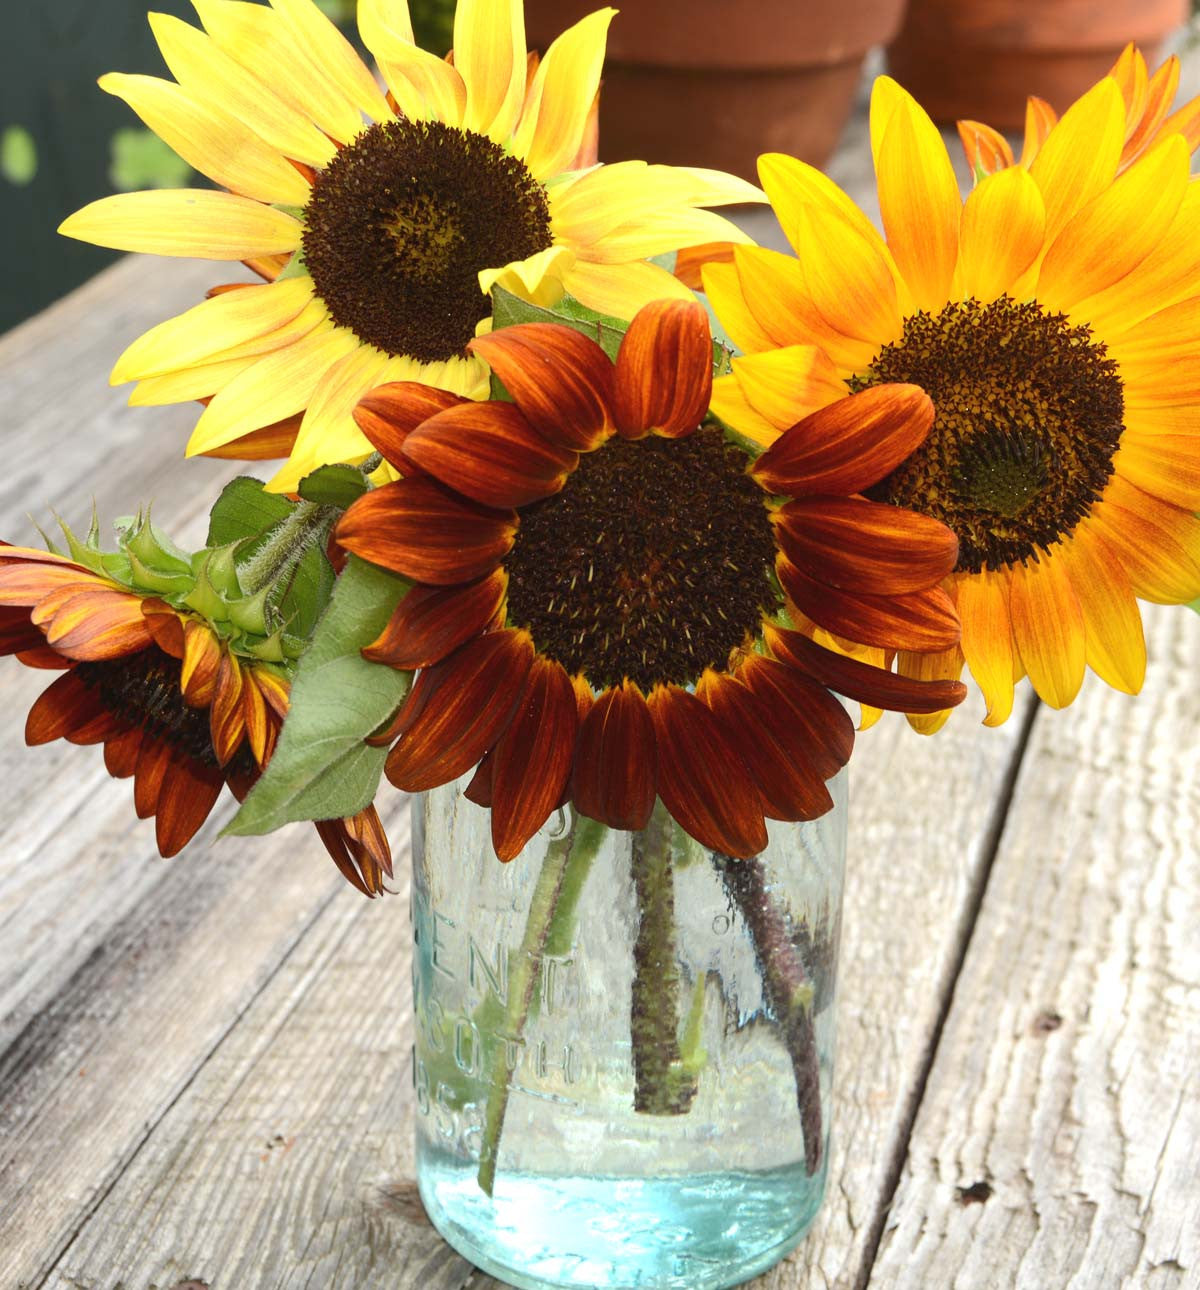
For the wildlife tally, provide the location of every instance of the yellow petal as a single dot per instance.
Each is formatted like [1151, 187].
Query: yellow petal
[422, 84]
[210, 75]
[1160, 92]
[1166, 336]
[715, 188]
[332, 57]
[846, 278]
[489, 52]
[1003, 222]
[1048, 630]
[1158, 544]
[185, 221]
[620, 290]
[982, 600]
[1110, 236]
[189, 383]
[1115, 643]
[328, 432]
[886, 96]
[211, 327]
[919, 202]
[209, 140]
[785, 385]
[539, 278]
[560, 99]
[1131, 76]
[723, 287]
[941, 665]
[667, 229]
[1080, 156]
[730, 405]
[313, 315]
[1163, 465]
[276, 386]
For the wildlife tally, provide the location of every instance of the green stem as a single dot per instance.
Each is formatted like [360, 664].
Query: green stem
[787, 986]
[286, 545]
[551, 914]
[663, 1083]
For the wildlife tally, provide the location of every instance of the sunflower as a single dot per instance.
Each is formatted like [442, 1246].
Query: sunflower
[596, 615]
[378, 239]
[172, 702]
[1053, 319]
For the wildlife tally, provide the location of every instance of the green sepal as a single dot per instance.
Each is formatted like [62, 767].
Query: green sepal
[249, 614]
[148, 579]
[334, 486]
[269, 650]
[116, 565]
[205, 599]
[145, 540]
[220, 564]
[322, 769]
[295, 267]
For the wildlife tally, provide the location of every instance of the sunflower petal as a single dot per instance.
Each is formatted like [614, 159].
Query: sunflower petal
[620, 290]
[418, 528]
[1166, 466]
[391, 412]
[64, 706]
[422, 84]
[1003, 224]
[333, 61]
[489, 52]
[187, 794]
[430, 623]
[1158, 544]
[1048, 630]
[664, 371]
[615, 778]
[786, 385]
[987, 643]
[1115, 644]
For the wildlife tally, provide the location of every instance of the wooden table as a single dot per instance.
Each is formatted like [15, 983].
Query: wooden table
[205, 1070]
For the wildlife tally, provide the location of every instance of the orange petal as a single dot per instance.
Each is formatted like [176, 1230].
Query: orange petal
[187, 794]
[462, 704]
[701, 779]
[616, 760]
[561, 380]
[532, 760]
[99, 624]
[255, 717]
[65, 705]
[937, 667]
[152, 760]
[1040, 119]
[690, 261]
[490, 453]
[1164, 465]
[432, 622]
[849, 445]
[422, 530]
[391, 412]
[227, 719]
[985, 149]
[874, 686]
[201, 663]
[265, 444]
[865, 546]
[1115, 643]
[1048, 629]
[919, 620]
[664, 370]
[1160, 93]
[987, 645]
[1158, 544]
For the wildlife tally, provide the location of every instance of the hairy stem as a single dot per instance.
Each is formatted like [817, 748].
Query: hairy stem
[787, 987]
[286, 545]
[663, 1083]
[549, 922]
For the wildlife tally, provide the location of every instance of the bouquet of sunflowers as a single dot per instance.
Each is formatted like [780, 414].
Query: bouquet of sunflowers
[593, 507]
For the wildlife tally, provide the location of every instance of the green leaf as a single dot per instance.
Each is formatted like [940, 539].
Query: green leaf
[334, 486]
[18, 156]
[322, 769]
[508, 310]
[245, 510]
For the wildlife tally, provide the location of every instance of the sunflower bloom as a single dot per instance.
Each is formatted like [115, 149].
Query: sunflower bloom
[1053, 319]
[596, 616]
[378, 218]
[174, 706]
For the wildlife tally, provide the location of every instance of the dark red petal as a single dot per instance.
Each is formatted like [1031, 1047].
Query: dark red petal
[479, 790]
[858, 680]
[865, 546]
[776, 751]
[66, 705]
[420, 529]
[390, 413]
[468, 702]
[43, 657]
[919, 620]
[809, 709]
[338, 844]
[490, 453]
[532, 759]
[121, 753]
[98, 730]
[701, 779]
[615, 779]
[849, 445]
[152, 760]
[561, 380]
[431, 622]
[358, 845]
[189, 792]
[165, 625]
[664, 370]
[17, 633]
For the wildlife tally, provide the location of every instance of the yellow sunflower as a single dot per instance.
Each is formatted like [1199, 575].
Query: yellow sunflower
[379, 216]
[1054, 319]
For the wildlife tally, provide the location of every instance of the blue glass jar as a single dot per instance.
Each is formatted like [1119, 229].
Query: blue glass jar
[624, 1046]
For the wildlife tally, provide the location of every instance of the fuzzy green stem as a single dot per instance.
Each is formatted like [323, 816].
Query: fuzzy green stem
[286, 545]
[787, 986]
[551, 914]
[663, 1083]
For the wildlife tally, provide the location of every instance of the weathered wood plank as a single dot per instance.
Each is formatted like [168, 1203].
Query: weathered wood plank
[1066, 1087]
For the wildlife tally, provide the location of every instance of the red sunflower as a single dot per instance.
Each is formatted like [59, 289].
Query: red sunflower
[172, 702]
[606, 584]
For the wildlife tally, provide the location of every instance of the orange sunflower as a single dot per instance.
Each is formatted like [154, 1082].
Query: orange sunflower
[173, 704]
[598, 614]
[1054, 319]
[379, 215]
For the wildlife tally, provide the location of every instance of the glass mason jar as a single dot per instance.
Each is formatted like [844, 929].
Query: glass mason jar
[624, 1045]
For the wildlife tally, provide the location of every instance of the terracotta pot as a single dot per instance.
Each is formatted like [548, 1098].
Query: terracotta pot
[980, 59]
[710, 83]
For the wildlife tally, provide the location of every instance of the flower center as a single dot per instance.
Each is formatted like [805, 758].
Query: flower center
[400, 223]
[1029, 412]
[145, 689]
[652, 563]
